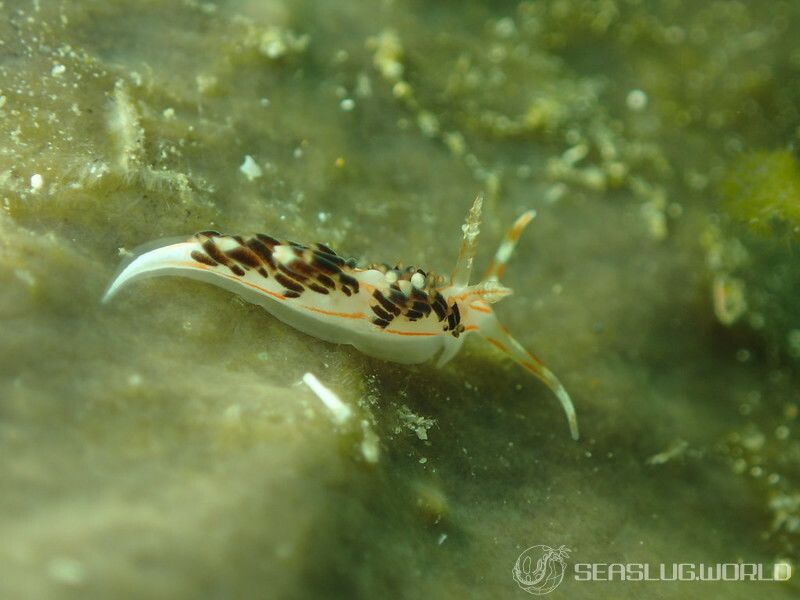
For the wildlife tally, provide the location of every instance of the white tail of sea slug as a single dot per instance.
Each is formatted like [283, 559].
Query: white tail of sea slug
[397, 314]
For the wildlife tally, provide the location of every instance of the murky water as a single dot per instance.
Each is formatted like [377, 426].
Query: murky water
[164, 444]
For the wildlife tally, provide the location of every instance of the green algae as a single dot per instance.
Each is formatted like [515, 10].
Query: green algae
[163, 446]
[763, 191]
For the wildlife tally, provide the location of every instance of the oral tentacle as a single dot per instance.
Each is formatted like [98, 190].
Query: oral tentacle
[500, 338]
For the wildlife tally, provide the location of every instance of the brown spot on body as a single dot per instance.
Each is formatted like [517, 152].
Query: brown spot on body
[348, 281]
[289, 284]
[326, 281]
[302, 267]
[396, 295]
[269, 241]
[262, 251]
[422, 307]
[290, 272]
[317, 288]
[383, 324]
[325, 249]
[382, 314]
[385, 303]
[215, 253]
[439, 306]
[202, 258]
[323, 263]
[245, 257]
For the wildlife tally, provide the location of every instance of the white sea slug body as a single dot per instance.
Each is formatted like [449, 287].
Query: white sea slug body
[402, 315]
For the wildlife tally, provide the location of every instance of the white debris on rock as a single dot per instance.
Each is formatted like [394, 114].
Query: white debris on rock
[250, 168]
[37, 181]
[370, 444]
[340, 411]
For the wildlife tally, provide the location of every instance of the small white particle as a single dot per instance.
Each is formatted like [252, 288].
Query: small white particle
[418, 280]
[423, 460]
[442, 538]
[250, 168]
[57, 70]
[264, 102]
[636, 100]
[370, 444]
[323, 216]
[391, 276]
[37, 181]
[341, 412]
[347, 104]
[169, 113]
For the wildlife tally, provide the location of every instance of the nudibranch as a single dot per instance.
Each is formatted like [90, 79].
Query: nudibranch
[399, 314]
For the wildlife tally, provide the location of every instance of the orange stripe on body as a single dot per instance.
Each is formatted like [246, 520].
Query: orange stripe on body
[532, 368]
[535, 358]
[497, 344]
[480, 308]
[412, 333]
[344, 315]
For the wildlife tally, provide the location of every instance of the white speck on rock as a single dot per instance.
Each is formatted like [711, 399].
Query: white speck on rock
[636, 100]
[57, 70]
[37, 181]
[370, 444]
[250, 168]
[340, 411]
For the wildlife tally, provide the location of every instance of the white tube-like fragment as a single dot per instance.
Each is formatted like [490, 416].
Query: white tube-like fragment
[341, 412]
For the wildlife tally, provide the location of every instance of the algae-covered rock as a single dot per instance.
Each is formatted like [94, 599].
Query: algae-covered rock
[762, 190]
[166, 445]
[752, 251]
